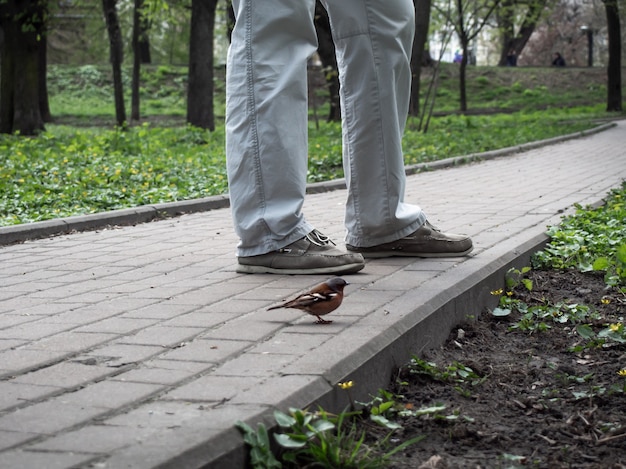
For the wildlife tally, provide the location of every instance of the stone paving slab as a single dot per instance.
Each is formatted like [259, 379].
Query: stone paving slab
[140, 346]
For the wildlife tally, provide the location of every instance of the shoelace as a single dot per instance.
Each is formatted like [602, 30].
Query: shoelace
[319, 239]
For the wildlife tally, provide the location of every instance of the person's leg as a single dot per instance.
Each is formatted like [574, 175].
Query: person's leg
[373, 39]
[266, 140]
[266, 121]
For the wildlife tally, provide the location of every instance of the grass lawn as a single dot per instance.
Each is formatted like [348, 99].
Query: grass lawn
[81, 164]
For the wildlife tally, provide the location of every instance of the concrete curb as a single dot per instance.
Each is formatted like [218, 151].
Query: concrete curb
[429, 314]
[146, 213]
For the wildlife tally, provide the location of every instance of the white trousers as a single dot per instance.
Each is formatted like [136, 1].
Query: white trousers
[266, 118]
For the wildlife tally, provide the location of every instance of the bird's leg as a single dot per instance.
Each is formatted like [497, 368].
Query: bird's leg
[322, 321]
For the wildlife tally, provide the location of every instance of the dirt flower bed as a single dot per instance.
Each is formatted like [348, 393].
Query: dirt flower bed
[498, 396]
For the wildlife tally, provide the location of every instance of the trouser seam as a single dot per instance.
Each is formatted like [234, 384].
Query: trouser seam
[253, 111]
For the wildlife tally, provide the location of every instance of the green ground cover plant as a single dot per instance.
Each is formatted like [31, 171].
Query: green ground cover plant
[82, 165]
[321, 439]
[593, 239]
[71, 171]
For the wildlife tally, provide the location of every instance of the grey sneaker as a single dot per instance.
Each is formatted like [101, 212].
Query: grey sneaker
[427, 241]
[313, 254]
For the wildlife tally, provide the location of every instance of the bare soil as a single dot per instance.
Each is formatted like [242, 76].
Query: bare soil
[540, 404]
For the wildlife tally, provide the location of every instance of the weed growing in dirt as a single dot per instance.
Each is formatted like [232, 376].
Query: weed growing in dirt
[462, 377]
[552, 361]
[593, 239]
[327, 440]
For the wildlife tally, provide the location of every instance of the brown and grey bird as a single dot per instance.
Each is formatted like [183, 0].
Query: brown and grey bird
[320, 300]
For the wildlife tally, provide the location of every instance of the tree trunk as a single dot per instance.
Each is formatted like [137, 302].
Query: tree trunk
[200, 91]
[509, 40]
[422, 20]
[135, 113]
[614, 69]
[23, 24]
[230, 20]
[44, 104]
[7, 74]
[462, 74]
[144, 48]
[144, 39]
[326, 51]
[464, 40]
[117, 57]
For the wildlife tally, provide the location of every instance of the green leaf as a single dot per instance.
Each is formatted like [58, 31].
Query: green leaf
[385, 406]
[585, 331]
[430, 410]
[284, 420]
[379, 419]
[621, 254]
[263, 436]
[286, 441]
[323, 426]
[601, 263]
[580, 394]
[501, 312]
[249, 435]
[404, 445]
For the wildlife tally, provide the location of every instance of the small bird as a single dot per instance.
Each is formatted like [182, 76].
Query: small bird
[321, 300]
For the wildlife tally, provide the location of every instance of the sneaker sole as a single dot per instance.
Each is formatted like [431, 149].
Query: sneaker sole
[426, 255]
[259, 269]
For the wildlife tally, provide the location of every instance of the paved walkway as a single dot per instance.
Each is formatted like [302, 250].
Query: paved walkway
[140, 346]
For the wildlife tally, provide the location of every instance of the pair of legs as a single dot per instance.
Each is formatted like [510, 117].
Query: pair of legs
[267, 119]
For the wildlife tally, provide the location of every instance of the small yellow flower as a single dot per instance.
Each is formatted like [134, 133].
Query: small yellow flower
[346, 385]
[605, 301]
[509, 293]
[615, 327]
[622, 372]
[497, 292]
